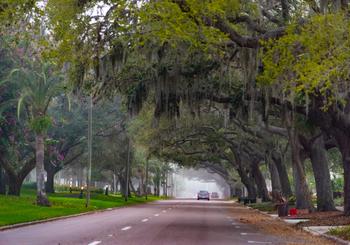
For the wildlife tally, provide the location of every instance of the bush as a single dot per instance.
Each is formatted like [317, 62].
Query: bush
[29, 185]
[265, 206]
[338, 184]
[66, 188]
[339, 201]
[292, 200]
[343, 232]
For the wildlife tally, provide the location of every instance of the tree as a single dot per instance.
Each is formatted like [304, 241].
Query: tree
[39, 84]
[193, 52]
[309, 67]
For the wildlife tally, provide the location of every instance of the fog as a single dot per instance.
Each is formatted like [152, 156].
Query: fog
[188, 182]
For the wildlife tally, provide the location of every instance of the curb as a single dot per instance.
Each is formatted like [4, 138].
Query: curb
[336, 239]
[329, 237]
[8, 227]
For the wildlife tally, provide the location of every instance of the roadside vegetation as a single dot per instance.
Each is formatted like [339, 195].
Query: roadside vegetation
[121, 91]
[19, 209]
[341, 232]
[264, 207]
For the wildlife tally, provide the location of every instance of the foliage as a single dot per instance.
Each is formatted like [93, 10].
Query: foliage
[310, 60]
[176, 23]
[40, 124]
[338, 184]
[342, 232]
[264, 207]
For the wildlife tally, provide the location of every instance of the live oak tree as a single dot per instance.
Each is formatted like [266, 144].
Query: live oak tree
[313, 76]
[190, 51]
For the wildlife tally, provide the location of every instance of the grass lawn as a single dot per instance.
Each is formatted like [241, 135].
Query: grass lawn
[343, 233]
[21, 209]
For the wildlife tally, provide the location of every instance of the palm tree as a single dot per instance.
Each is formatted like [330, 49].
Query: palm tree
[39, 83]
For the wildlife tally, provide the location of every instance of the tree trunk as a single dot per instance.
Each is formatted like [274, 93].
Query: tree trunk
[51, 171]
[158, 187]
[343, 141]
[166, 184]
[114, 184]
[283, 174]
[40, 171]
[302, 194]
[346, 166]
[132, 188]
[15, 185]
[142, 185]
[248, 182]
[275, 178]
[260, 182]
[122, 184]
[320, 168]
[49, 185]
[2, 181]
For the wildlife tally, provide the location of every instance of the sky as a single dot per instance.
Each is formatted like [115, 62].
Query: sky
[188, 182]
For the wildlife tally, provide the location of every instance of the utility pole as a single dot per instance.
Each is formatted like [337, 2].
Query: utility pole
[127, 173]
[88, 178]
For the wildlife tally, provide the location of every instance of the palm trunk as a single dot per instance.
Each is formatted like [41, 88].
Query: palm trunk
[42, 199]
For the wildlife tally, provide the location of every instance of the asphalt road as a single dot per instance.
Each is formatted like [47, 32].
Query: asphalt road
[163, 222]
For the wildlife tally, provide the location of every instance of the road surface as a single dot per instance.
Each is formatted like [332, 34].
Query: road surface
[162, 222]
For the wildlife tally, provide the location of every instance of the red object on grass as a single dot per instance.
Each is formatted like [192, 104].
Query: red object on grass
[292, 211]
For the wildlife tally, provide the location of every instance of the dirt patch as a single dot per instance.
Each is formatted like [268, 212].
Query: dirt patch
[333, 218]
[291, 234]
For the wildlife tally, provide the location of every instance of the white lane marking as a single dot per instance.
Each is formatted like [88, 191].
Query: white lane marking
[110, 235]
[237, 226]
[257, 242]
[244, 234]
[169, 208]
[144, 220]
[126, 228]
[164, 211]
[156, 215]
[94, 243]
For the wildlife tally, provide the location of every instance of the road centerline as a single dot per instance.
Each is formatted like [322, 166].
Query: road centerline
[94, 243]
[126, 228]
